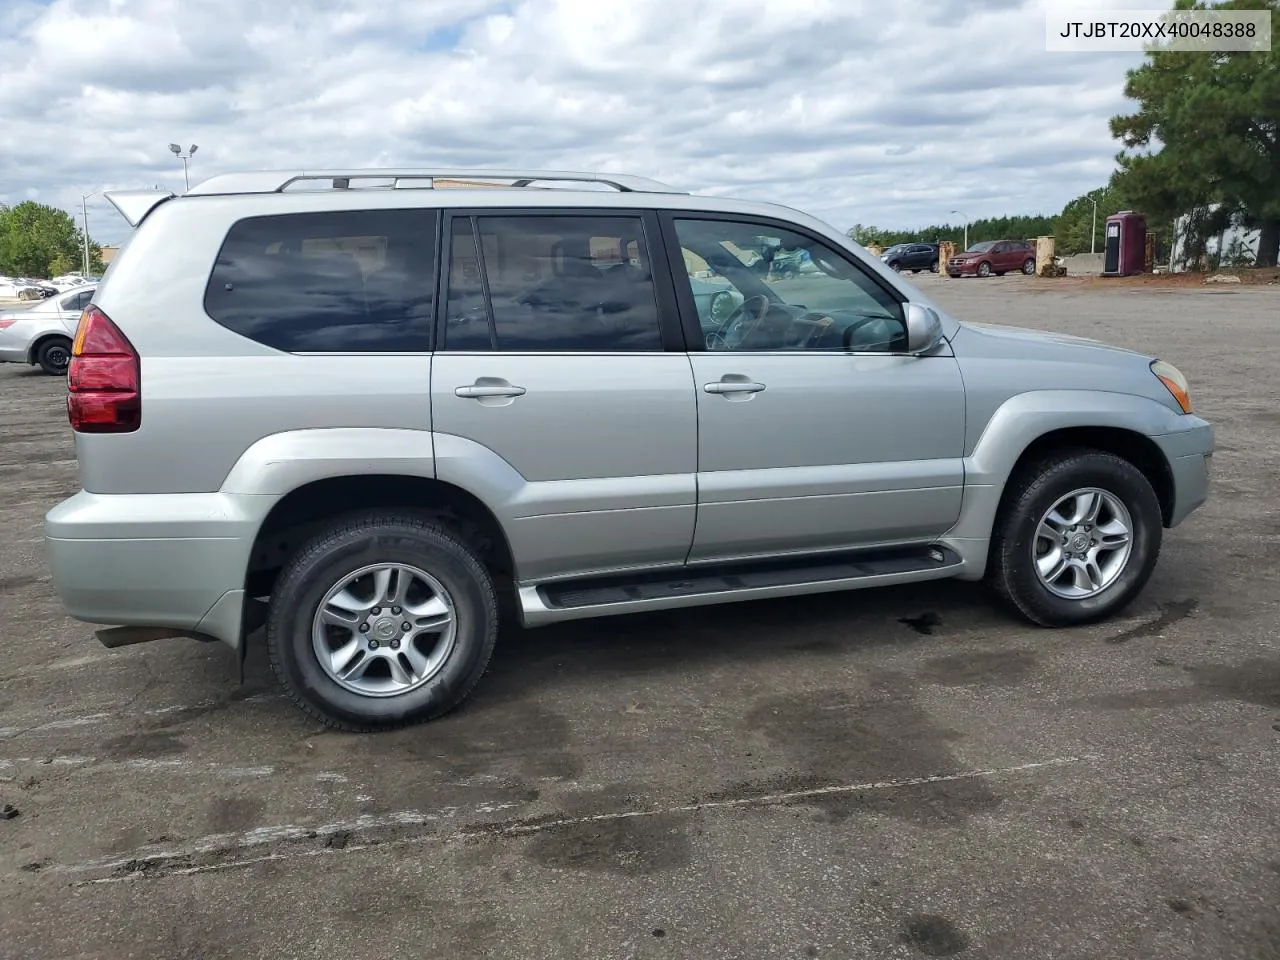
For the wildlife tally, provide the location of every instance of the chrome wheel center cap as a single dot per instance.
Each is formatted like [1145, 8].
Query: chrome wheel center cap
[385, 629]
[1079, 541]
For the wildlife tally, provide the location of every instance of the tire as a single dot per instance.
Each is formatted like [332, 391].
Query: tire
[933, 267]
[461, 653]
[1029, 266]
[54, 356]
[895, 267]
[1034, 493]
[984, 269]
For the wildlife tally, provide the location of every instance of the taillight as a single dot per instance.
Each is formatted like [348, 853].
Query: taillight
[104, 381]
[7, 323]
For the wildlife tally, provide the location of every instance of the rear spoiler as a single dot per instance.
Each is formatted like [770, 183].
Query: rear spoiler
[134, 205]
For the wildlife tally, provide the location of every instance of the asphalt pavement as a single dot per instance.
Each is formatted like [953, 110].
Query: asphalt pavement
[897, 773]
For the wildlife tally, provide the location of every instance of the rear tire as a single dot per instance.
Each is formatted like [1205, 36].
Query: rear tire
[1022, 560]
[449, 584]
[54, 356]
[1029, 266]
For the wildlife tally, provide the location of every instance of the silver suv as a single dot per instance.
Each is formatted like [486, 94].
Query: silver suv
[369, 409]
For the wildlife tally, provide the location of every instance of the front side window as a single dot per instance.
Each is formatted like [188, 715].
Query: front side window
[550, 283]
[745, 303]
[345, 281]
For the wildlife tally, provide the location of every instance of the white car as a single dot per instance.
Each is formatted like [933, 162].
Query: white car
[12, 288]
[42, 334]
[70, 281]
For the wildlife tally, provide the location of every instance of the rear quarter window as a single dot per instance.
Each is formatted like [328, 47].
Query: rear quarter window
[342, 282]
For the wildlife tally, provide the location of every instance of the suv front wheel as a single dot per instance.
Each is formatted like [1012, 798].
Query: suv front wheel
[1077, 538]
[382, 621]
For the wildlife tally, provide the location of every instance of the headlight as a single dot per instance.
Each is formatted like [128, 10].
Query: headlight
[1176, 383]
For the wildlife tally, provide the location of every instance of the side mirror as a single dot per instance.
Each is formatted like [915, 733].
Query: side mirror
[924, 328]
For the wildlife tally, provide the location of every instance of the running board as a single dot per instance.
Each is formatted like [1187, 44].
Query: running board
[699, 586]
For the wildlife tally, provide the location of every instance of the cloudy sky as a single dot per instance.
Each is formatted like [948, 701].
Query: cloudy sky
[892, 112]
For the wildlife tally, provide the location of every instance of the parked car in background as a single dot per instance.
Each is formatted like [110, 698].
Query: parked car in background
[911, 256]
[44, 288]
[69, 281]
[42, 334]
[307, 436]
[994, 256]
[14, 288]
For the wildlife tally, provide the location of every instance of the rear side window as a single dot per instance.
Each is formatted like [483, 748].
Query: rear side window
[550, 283]
[346, 281]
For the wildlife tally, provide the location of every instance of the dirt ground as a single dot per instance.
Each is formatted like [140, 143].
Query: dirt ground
[899, 773]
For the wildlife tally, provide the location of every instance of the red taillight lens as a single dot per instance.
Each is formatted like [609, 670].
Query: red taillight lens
[104, 381]
[7, 323]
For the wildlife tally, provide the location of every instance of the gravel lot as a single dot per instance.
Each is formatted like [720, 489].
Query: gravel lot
[901, 773]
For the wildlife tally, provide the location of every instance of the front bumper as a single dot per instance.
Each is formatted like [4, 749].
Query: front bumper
[1188, 453]
[176, 561]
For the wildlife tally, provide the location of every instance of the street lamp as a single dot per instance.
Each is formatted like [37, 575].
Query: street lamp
[1093, 234]
[84, 213]
[184, 157]
[966, 227]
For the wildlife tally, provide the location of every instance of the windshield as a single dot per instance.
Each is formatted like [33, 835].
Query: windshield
[982, 247]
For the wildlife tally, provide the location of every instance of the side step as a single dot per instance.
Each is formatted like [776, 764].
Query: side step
[697, 586]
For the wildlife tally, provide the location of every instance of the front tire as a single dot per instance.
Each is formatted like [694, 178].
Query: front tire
[382, 621]
[54, 356]
[933, 267]
[1077, 538]
[984, 269]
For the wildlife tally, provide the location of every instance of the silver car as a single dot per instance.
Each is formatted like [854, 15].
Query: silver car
[360, 417]
[42, 335]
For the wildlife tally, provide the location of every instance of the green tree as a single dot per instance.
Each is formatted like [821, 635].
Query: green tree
[33, 236]
[1073, 225]
[1207, 131]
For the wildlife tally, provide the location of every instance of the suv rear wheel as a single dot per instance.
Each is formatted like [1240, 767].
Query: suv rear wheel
[382, 621]
[1077, 538]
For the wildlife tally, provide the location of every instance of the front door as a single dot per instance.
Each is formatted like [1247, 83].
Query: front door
[815, 430]
[559, 392]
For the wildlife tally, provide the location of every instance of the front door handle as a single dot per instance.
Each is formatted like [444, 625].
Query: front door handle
[728, 385]
[487, 387]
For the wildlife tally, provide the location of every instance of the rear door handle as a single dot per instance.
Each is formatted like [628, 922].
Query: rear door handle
[480, 390]
[733, 386]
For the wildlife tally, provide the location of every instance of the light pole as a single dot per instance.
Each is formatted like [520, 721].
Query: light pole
[184, 157]
[1093, 233]
[966, 227]
[84, 213]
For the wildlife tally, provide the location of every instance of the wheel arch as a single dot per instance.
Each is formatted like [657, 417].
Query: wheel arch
[317, 503]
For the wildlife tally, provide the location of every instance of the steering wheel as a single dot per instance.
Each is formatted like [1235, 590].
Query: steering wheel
[740, 324]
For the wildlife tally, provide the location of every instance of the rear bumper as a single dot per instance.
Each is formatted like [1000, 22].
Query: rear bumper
[1189, 453]
[176, 561]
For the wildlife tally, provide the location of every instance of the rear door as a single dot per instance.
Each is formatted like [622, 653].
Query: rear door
[560, 390]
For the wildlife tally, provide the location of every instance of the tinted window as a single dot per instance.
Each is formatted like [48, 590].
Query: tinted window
[834, 306]
[553, 283]
[345, 281]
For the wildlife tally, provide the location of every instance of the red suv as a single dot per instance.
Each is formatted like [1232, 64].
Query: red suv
[994, 256]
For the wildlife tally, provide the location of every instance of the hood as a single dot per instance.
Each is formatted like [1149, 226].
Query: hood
[1002, 340]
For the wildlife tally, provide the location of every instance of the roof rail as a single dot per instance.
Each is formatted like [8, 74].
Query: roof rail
[277, 181]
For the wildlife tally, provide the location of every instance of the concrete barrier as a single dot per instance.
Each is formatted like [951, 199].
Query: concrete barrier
[1083, 264]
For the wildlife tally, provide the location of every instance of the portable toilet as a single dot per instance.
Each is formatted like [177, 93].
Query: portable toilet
[1126, 245]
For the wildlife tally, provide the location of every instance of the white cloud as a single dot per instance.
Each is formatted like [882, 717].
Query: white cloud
[853, 110]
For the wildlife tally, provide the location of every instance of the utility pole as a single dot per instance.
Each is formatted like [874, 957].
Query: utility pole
[966, 227]
[184, 157]
[1093, 234]
[84, 213]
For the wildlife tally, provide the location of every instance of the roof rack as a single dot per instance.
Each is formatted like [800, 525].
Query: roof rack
[277, 181]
